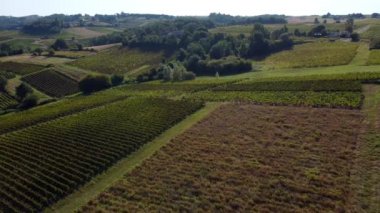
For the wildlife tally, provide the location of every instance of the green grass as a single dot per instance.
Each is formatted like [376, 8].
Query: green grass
[119, 60]
[372, 32]
[315, 54]
[350, 100]
[374, 58]
[125, 166]
[23, 44]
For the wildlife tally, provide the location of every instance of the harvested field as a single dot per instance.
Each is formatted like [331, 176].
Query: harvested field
[247, 158]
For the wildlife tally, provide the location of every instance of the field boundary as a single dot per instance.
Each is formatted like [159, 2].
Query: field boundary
[116, 172]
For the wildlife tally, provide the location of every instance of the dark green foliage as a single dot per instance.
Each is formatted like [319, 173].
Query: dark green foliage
[374, 44]
[220, 50]
[23, 90]
[226, 66]
[28, 102]
[117, 79]
[375, 15]
[60, 44]
[3, 83]
[94, 83]
[38, 51]
[225, 19]
[318, 31]
[355, 37]
[7, 50]
[43, 27]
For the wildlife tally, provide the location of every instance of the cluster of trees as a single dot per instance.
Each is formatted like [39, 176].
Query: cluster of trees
[172, 71]
[224, 19]
[26, 97]
[94, 83]
[7, 50]
[375, 15]
[338, 18]
[43, 27]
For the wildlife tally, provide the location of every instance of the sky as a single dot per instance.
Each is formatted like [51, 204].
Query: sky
[188, 7]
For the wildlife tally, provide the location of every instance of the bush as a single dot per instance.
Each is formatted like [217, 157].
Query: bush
[94, 83]
[29, 102]
[117, 79]
[374, 44]
[23, 90]
[60, 44]
[3, 83]
[225, 66]
[355, 37]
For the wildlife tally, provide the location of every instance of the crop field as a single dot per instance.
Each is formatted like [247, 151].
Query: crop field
[315, 54]
[6, 101]
[247, 158]
[52, 83]
[23, 43]
[372, 32]
[61, 155]
[119, 60]
[38, 60]
[73, 54]
[350, 100]
[16, 121]
[169, 86]
[311, 85]
[20, 68]
[374, 58]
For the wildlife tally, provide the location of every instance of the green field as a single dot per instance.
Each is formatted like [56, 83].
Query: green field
[374, 58]
[315, 54]
[38, 171]
[119, 60]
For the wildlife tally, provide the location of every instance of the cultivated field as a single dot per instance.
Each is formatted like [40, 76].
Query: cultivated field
[314, 54]
[45, 162]
[247, 158]
[6, 101]
[20, 68]
[52, 83]
[374, 58]
[119, 60]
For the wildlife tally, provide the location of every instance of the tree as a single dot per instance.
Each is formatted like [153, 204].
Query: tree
[316, 21]
[192, 63]
[80, 47]
[38, 51]
[375, 15]
[60, 44]
[3, 83]
[51, 53]
[29, 102]
[94, 83]
[259, 45]
[350, 25]
[117, 79]
[219, 50]
[23, 90]
[355, 37]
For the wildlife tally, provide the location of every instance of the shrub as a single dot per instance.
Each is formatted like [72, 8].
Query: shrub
[29, 102]
[60, 44]
[355, 37]
[225, 66]
[374, 44]
[3, 83]
[94, 83]
[117, 79]
[23, 90]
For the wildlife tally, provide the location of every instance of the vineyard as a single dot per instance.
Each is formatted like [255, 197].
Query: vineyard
[316, 54]
[349, 100]
[6, 101]
[313, 85]
[44, 163]
[55, 110]
[119, 60]
[20, 68]
[52, 83]
[247, 158]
